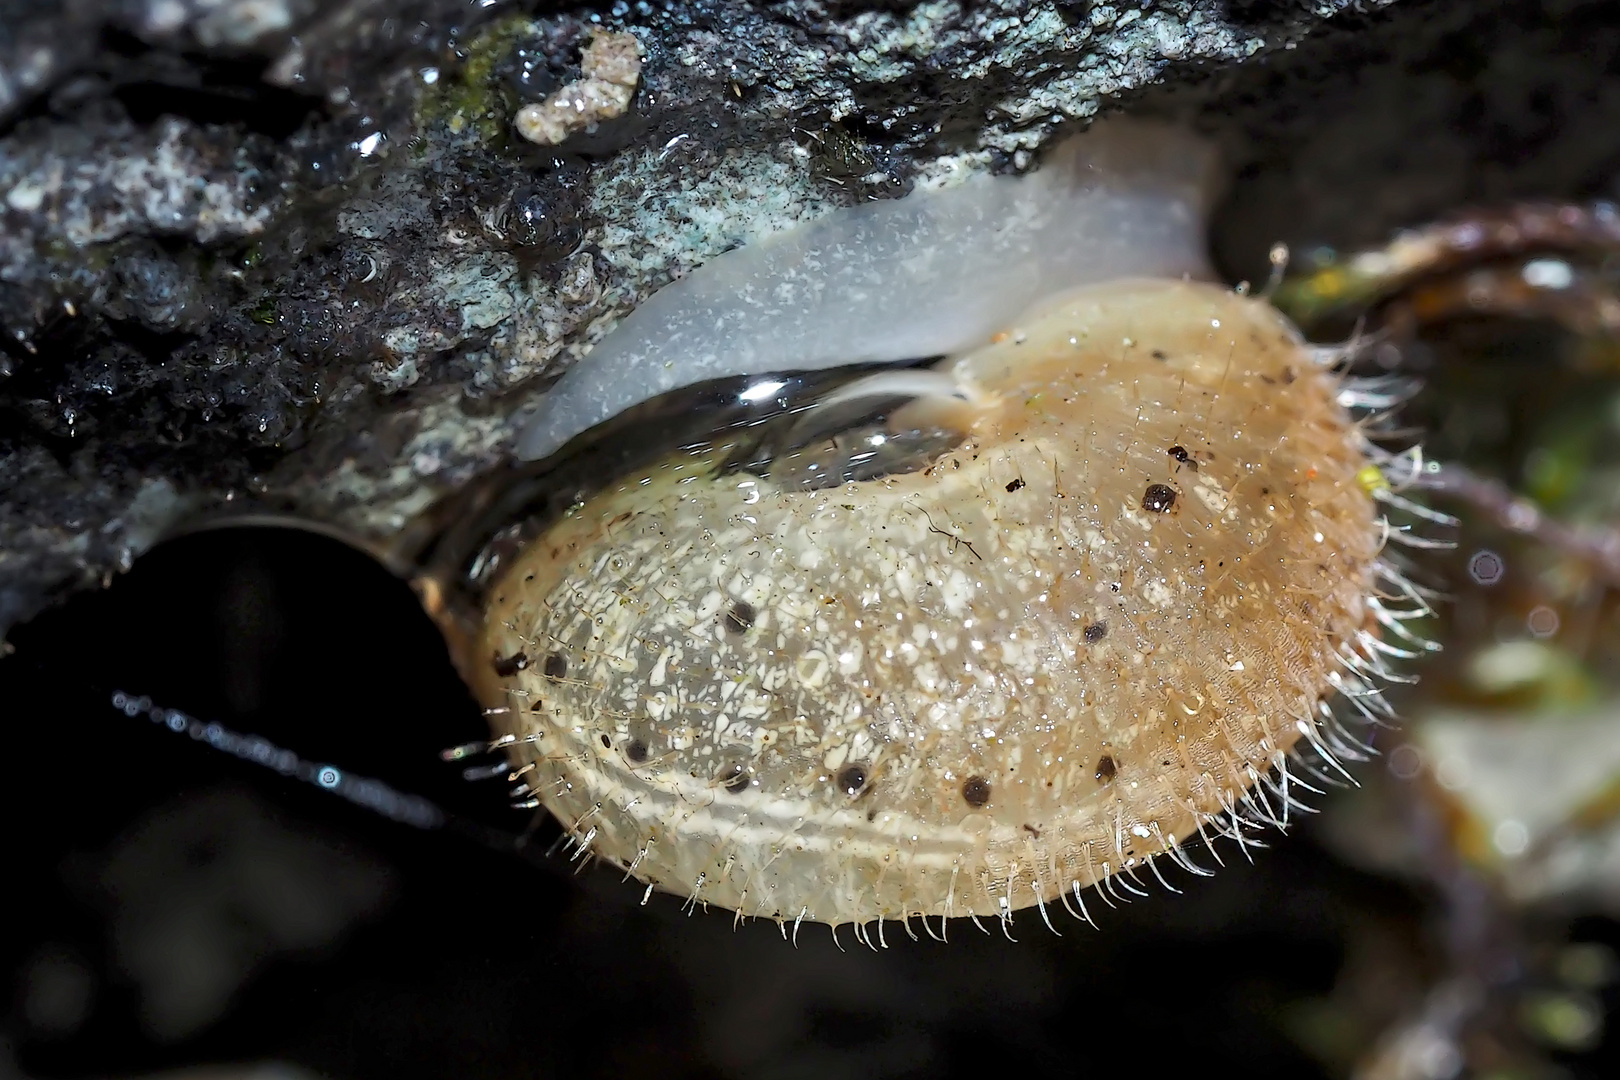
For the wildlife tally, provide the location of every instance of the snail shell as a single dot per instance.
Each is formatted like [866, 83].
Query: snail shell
[1065, 644]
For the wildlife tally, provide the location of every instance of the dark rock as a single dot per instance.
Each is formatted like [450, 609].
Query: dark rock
[291, 248]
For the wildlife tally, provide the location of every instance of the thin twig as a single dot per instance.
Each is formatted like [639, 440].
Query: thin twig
[1596, 545]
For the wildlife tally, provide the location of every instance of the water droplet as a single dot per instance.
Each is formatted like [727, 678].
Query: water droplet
[1511, 838]
[1486, 567]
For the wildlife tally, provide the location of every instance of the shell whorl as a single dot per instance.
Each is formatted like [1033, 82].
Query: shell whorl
[1068, 644]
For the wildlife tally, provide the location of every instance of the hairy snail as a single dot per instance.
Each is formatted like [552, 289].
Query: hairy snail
[945, 556]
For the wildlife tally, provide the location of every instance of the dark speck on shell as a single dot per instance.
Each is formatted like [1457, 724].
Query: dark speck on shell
[851, 779]
[928, 622]
[1158, 498]
[507, 666]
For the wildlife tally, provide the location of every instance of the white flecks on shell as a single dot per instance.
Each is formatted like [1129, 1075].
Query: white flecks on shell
[1024, 670]
[933, 273]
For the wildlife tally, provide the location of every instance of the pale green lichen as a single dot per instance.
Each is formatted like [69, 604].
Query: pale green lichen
[663, 219]
[164, 180]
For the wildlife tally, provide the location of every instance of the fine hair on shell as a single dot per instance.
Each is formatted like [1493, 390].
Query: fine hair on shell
[795, 687]
[1332, 738]
[946, 557]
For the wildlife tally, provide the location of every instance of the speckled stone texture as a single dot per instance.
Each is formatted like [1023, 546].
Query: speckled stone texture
[292, 252]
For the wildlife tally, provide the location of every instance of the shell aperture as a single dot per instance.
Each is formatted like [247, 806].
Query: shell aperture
[1113, 590]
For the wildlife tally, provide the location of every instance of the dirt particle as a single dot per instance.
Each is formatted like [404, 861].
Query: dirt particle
[1158, 498]
[507, 666]
[740, 619]
[851, 779]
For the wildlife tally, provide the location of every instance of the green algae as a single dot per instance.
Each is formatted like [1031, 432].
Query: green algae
[471, 101]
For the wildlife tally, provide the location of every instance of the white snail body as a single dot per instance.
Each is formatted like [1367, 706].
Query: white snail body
[1110, 594]
[933, 273]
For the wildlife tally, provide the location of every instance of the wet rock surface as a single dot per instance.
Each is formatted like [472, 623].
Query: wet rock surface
[290, 253]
